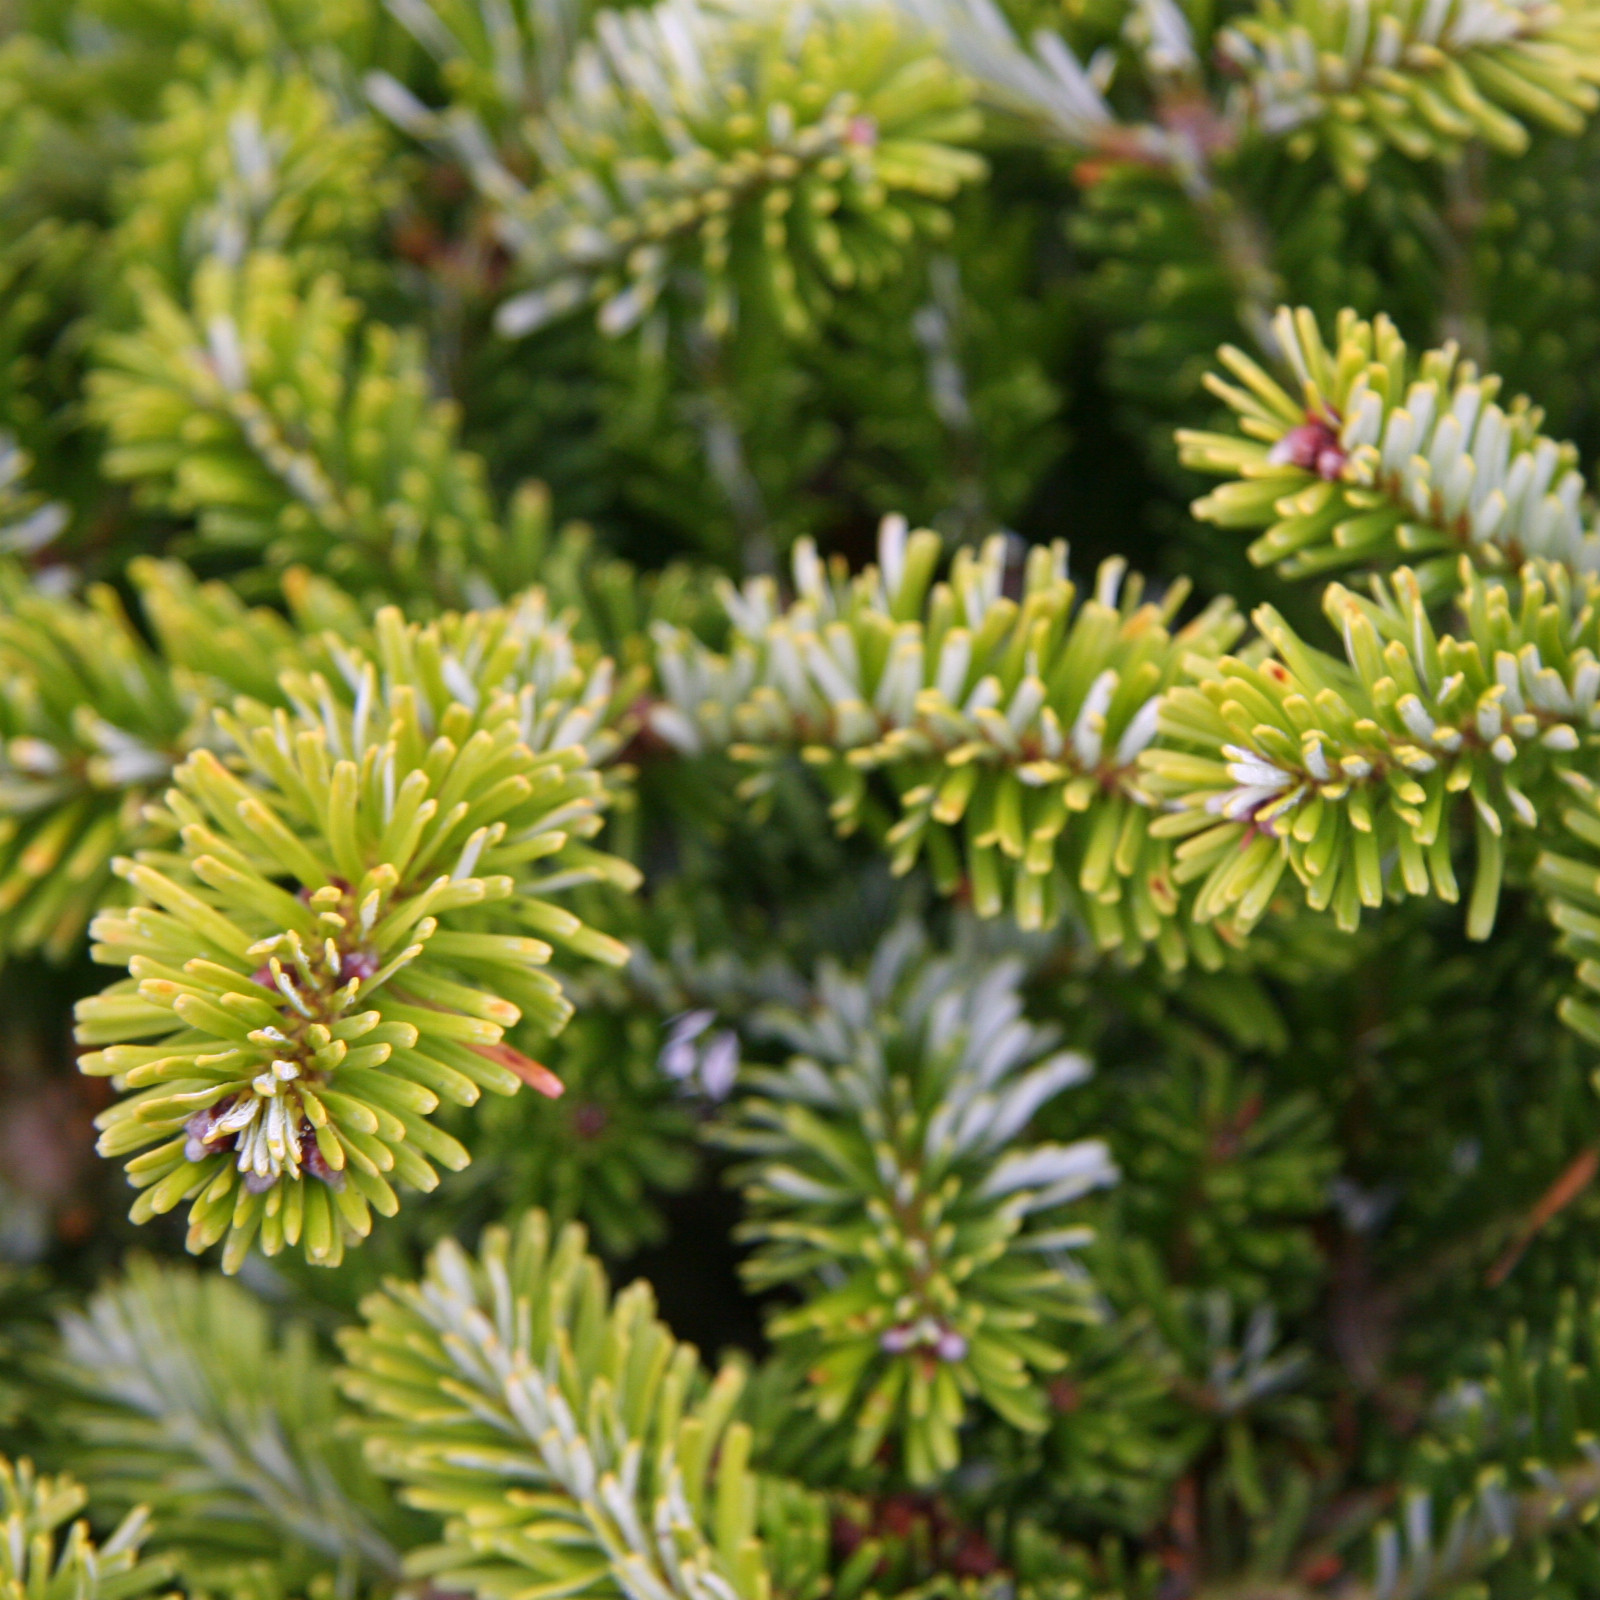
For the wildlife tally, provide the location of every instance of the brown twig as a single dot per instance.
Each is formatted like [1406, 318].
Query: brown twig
[1577, 1177]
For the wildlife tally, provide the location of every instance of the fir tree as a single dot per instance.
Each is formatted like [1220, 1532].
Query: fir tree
[799, 800]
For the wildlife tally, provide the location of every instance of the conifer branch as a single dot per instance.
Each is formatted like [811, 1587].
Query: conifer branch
[218, 647]
[262, 160]
[782, 153]
[1347, 772]
[343, 851]
[1359, 75]
[307, 951]
[621, 1137]
[184, 1398]
[1378, 455]
[1568, 871]
[1009, 730]
[1046, 85]
[28, 522]
[571, 1443]
[92, 722]
[257, 409]
[891, 1182]
[502, 64]
[1503, 1473]
[512, 58]
[33, 1566]
[1507, 1466]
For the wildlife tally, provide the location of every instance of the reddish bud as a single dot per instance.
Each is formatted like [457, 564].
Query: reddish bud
[1313, 447]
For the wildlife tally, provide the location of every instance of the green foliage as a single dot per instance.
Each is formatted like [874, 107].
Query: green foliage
[1356, 76]
[261, 161]
[1345, 771]
[1504, 1479]
[887, 1180]
[1532, 251]
[220, 647]
[418, 785]
[568, 1439]
[1151, 250]
[1043, 90]
[157, 39]
[1225, 1180]
[501, 64]
[1567, 873]
[930, 398]
[944, 390]
[40, 269]
[257, 409]
[290, 1070]
[1381, 455]
[1119, 1437]
[26, 1305]
[1172, 280]
[786, 153]
[32, 1567]
[1009, 729]
[617, 1139]
[183, 1398]
[608, 601]
[93, 721]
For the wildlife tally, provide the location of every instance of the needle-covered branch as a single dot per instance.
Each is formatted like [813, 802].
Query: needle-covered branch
[1357, 773]
[570, 1442]
[1507, 1476]
[780, 154]
[1355, 76]
[35, 1565]
[1568, 871]
[262, 406]
[892, 1182]
[93, 718]
[92, 721]
[1008, 729]
[181, 1396]
[1375, 454]
[307, 955]
[259, 160]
